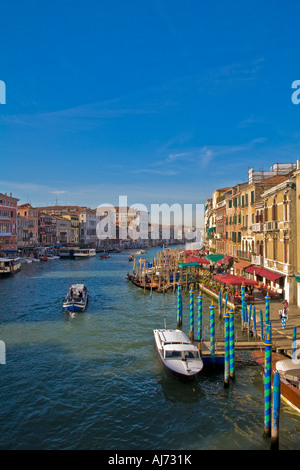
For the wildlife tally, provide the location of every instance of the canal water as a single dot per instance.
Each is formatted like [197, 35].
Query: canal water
[94, 381]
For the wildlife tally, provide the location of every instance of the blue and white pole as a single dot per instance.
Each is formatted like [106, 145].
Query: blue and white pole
[191, 315]
[231, 345]
[212, 333]
[276, 410]
[267, 384]
[226, 341]
[267, 308]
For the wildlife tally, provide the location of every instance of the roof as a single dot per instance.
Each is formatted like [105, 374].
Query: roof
[241, 265]
[173, 336]
[274, 180]
[180, 347]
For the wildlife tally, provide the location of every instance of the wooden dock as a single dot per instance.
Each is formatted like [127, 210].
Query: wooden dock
[220, 347]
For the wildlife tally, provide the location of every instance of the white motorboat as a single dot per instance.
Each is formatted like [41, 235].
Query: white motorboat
[76, 299]
[178, 355]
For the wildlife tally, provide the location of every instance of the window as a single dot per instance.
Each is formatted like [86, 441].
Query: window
[252, 197]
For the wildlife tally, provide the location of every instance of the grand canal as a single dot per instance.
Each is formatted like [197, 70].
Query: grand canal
[94, 381]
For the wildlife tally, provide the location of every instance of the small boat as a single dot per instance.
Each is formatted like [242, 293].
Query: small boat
[44, 258]
[177, 354]
[141, 252]
[9, 266]
[28, 260]
[131, 258]
[105, 255]
[289, 371]
[139, 283]
[76, 299]
[84, 253]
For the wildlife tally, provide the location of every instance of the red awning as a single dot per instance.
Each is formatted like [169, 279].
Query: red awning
[196, 259]
[235, 280]
[229, 279]
[224, 260]
[270, 275]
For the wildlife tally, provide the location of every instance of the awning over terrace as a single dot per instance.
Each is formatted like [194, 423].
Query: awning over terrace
[224, 260]
[241, 265]
[270, 275]
[230, 279]
[214, 258]
[196, 259]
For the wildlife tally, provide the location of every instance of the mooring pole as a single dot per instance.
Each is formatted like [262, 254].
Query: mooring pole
[294, 342]
[267, 383]
[261, 325]
[276, 410]
[199, 321]
[179, 306]
[231, 345]
[226, 343]
[220, 303]
[212, 333]
[191, 315]
[267, 308]
[254, 320]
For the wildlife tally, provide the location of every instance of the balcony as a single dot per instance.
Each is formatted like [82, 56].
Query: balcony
[257, 259]
[270, 226]
[244, 255]
[258, 227]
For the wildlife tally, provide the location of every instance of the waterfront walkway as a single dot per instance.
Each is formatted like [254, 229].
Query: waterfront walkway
[282, 339]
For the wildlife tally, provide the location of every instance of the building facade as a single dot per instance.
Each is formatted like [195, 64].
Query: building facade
[8, 222]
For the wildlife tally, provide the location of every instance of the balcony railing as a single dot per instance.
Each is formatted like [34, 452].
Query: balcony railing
[244, 254]
[258, 227]
[271, 226]
[257, 259]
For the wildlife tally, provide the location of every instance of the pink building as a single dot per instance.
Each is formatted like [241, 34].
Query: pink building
[8, 222]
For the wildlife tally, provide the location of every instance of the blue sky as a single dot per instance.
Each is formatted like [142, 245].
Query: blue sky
[160, 100]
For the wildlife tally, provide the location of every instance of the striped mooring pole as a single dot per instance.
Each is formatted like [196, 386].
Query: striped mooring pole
[212, 333]
[226, 300]
[231, 345]
[275, 414]
[243, 304]
[199, 321]
[294, 342]
[249, 318]
[267, 383]
[254, 320]
[220, 303]
[226, 341]
[267, 308]
[191, 315]
[261, 324]
[179, 306]
[244, 315]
